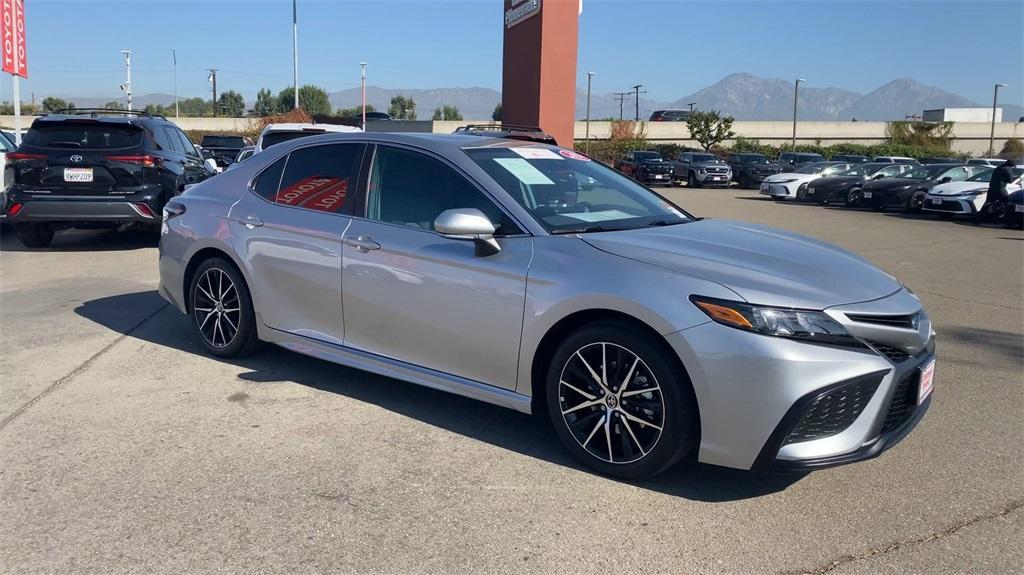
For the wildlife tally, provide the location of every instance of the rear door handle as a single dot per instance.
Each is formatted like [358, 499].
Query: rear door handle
[251, 221]
[363, 243]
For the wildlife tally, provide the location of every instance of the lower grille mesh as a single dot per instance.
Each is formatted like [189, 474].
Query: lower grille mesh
[904, 401]
[892, 352]
[834, 411]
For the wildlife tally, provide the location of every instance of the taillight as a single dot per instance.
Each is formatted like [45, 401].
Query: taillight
[14, 209]
[145, 161]
[143, 209]
[14, 157]
[173, 209]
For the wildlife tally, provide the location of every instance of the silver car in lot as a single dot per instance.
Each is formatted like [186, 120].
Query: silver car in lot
[531, 277]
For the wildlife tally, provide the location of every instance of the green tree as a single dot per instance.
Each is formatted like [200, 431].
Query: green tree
[231, 104]
[496, 115]
[52, 104]
[312, 99]
[710, 128]
[447, 112]
[156, 110]
[114, 105]
[266, 104]
[1013, 148]
[194, 107]
[354, 112]
[402, 108]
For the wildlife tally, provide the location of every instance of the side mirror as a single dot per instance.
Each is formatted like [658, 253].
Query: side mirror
[210, 165]
[877, 176]
[946, 180]
[468, 224]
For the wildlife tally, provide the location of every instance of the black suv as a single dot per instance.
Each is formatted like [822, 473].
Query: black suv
[749, 170]
[223, 148]
[97, 168]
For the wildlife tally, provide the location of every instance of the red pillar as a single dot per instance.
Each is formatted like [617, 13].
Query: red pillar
[538, 85]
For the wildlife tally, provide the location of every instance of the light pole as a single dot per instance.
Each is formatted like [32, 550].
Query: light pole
[174, 55]
[796, 98]
[213, 80]
[691, 105]
[127, 86]
[636, 90]
[586, 149]
[992, 134]
[295, 50]
[362, 74]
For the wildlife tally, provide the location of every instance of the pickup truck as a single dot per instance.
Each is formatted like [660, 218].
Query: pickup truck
[223, 149]
[647, 167]
[702, 170]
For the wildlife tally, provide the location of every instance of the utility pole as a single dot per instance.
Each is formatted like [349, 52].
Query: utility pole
[174, 55]
[621, 97]
[691, 105]
[295, 49]
[362, 73]
[636, 90]
[796, 97]
[586, 149]
[213, 80]
[127, 86]
[992, 134]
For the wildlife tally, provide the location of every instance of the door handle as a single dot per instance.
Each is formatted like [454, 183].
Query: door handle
[363, 243]
[251, 221]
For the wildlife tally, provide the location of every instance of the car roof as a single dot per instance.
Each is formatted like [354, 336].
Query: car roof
[433, 142]
[299, 127]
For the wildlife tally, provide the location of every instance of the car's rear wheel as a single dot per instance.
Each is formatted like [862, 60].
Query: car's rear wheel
[35, 235]
[619, 401]
[221, 309]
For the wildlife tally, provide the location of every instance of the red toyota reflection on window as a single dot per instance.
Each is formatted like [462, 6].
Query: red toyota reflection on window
[321, 193]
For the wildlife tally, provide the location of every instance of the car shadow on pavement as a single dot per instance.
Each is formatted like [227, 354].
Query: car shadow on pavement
[524, 434]
[84, 241]
[1008, 345]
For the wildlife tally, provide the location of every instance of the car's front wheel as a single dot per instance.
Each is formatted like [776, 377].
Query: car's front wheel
[620, 402]
[221, 309]
[854, 197]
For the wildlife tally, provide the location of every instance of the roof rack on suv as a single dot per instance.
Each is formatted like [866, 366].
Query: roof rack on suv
[512, 131]
[104, 112]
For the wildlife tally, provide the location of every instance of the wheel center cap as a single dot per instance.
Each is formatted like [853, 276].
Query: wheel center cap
[220, 306]
[611, 401]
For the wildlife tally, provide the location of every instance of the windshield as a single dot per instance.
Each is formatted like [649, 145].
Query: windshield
[812, 169]
[223, 142]
[984, 176]
[924, 172]
[643, 156]
[752, 158]
[273, 138]
[863, 170]
[705, 158]
[84, 136]
[568, 193]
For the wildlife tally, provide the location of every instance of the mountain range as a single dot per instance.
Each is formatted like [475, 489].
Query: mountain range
[743, 96]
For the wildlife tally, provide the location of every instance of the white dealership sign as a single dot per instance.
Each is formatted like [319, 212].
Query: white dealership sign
[521, 11]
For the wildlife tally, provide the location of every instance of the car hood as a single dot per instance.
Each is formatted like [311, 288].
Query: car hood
[835, 182]
[791, 176]
[762, 265]
[957, 188]
[709, 165]
[894, 184]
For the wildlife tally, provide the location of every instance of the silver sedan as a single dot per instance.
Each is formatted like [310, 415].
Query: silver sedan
[531, 277]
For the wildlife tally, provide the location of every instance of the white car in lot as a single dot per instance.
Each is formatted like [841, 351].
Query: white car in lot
[989, 162]
[966, 197]
[277, 133]
[793, 185]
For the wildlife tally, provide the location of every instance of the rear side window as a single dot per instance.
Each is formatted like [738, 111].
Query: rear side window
[186, 144]
[84, 136]
[266, 183]
[319, 177]
[172, 140]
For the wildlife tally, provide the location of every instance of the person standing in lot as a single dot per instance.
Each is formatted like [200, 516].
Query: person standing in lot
[996, 193]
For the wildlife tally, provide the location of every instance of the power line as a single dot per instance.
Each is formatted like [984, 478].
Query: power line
[621, 97]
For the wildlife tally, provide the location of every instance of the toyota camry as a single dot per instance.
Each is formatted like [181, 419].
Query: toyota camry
[531, 277]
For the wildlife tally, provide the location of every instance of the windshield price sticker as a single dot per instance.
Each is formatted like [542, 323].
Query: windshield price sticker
[536, 153]
[524, 171]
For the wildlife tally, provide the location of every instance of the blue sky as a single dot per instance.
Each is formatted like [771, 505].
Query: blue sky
[673, 47]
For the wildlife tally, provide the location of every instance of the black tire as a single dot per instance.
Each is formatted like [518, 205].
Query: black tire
[914, 203]
[744, 182]
[238, 328]
[670, 392]
[35, 235]
[853, 197]
[801, 193]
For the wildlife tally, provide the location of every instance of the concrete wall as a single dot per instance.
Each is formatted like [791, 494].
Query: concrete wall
[970, 137]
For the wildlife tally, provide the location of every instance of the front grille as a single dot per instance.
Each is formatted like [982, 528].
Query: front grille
[906, 321]
[945, 206]
[892, 352]
[717, 170]
[832, 412]
[903, 403]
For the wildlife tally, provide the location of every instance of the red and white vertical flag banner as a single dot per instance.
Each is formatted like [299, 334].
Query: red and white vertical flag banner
[12, 36]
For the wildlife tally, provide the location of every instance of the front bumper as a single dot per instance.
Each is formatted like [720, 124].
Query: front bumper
[780, 190]
[753, 390]
[710, 180]
[648, 178]
[961, 205]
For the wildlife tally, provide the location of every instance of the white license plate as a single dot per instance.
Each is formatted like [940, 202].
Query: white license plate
[764, 187]
[937, 201]
[1018, 208]
[658, 176]
[83, 175]
[924, 388]
[867, 195]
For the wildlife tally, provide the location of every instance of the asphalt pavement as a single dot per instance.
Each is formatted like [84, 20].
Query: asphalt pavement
[124, 448]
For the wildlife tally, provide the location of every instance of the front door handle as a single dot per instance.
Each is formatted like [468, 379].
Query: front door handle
[363, 243]
[251, 221]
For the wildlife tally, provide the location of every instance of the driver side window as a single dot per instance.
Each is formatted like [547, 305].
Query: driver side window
[411, 189]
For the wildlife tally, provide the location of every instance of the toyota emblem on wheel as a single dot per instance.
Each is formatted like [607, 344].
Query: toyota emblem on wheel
[76, 158]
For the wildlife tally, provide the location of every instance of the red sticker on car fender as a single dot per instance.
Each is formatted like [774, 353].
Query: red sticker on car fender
[574, 155]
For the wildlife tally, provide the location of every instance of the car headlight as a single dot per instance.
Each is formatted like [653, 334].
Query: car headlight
[805, 325]
[701, 170]
[789, 181]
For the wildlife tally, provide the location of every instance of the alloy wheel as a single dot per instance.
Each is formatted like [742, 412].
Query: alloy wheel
[611, 402]
[216, 307]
